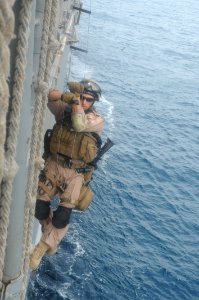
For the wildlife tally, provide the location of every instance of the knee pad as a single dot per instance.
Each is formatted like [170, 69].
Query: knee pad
[61, 217]
[42, 209]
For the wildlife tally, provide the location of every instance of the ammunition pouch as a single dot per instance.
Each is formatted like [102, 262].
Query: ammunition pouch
[85, 198]
[75, 145]
[88, 149]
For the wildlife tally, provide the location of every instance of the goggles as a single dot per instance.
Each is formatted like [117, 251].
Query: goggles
[91, 88]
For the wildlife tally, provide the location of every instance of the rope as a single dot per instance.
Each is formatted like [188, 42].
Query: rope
[35, 163]
[87, 46]
[14, 116]
[87, 42]
[6, 34]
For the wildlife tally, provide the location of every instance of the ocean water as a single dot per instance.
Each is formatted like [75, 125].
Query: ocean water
[140, 237]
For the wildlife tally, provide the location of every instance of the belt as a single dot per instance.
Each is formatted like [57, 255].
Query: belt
[66, 162]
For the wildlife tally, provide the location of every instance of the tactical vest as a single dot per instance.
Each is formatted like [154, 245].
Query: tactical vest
[76, 145]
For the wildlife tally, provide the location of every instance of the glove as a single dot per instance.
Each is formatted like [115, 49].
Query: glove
[67, 97]
[54, 95]
[70, 98]
[75, 87]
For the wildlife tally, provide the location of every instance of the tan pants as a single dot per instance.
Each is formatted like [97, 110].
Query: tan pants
[73, 182]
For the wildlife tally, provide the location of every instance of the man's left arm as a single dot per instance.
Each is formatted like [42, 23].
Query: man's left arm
[78, 117]
[90, 122]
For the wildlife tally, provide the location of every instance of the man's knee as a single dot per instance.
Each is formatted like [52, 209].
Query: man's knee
[42, 209]
[61, 217]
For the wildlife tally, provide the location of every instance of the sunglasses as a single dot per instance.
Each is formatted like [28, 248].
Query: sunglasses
[87, 99]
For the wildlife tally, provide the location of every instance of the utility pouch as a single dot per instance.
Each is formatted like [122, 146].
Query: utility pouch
[59, 139]
[85, 198]
[88, 149]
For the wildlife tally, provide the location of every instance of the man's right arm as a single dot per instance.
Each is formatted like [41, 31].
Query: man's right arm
[55, 104]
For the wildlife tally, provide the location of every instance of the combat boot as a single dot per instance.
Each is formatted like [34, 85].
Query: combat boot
[37, 254]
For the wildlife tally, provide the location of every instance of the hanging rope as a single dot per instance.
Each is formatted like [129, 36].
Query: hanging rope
[35, 163]
[87, 43]
[13, 127]
[87, 40]
[86, 48]
[6, 34]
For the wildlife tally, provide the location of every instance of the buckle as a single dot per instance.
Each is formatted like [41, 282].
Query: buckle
[68, 162]
[83, 170]
[64, 160]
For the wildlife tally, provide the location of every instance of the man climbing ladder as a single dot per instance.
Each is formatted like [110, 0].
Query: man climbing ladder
[70, 149]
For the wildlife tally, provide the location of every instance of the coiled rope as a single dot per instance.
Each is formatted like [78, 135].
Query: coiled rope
[35, 162]
[14, 117]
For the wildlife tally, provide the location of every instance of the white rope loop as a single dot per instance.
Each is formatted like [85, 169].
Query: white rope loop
[35, 164]
[13, 127]
[33, 168]
[6, 34]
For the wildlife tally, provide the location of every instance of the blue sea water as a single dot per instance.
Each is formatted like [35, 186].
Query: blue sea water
[140, 238]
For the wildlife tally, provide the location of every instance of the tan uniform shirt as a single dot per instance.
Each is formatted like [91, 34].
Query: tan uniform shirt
[81, 122]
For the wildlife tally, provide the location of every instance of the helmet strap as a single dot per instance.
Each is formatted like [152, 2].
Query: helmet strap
[91, 93]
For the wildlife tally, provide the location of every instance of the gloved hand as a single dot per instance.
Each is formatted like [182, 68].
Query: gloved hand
[54, 95]
[75, 87]
[67, 97]
[70, 98]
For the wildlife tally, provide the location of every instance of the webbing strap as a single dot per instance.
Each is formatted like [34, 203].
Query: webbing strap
[48, 190]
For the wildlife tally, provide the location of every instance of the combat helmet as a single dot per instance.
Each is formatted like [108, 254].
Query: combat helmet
[92, 88]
